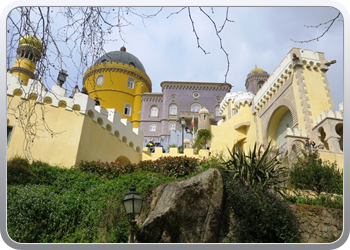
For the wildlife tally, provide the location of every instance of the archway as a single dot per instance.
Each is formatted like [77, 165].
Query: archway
[277, 128]
[339, 130]
[123, 159]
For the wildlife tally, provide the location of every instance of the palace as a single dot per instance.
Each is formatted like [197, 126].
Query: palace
[116, 114]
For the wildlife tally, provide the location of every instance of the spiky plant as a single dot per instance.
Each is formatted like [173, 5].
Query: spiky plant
[259, 168]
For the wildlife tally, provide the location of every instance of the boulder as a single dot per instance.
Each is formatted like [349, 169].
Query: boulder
[187, 211]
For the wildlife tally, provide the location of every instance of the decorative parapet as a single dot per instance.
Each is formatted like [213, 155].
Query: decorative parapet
[327, 114]
[196, 85]
[108, 119]
[242, 98]
[237, 98]
[282, 73]
[295, 132]
[152, 97]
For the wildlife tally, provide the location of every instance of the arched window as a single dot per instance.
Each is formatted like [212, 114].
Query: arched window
[195, 107]
[127, 109]
[260, 84]
[152, 127]
[173, 109]
[99, 80]
[154, 111]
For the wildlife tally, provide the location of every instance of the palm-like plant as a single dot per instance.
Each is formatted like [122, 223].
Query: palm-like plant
[260, 168]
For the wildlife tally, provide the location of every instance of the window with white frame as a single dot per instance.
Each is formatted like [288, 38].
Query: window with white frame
[173, 109]
[217, 111]
[154, 111]
[152, 127]
[195, 107]
[130, 83]
[127, 109]
[99, 80]
[172, 126]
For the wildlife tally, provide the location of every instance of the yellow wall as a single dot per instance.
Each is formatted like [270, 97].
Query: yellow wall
[97, 143]
[75, 136]
[226, 136]
[332, 157]
[58, 149]
[316, 92]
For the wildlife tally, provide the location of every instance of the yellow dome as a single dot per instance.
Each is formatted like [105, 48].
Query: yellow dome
[257, 70]
[32, 41]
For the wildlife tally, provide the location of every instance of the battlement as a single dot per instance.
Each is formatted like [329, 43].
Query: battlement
[109, 119]
[296, 57]
[237, 98]
[327, 114]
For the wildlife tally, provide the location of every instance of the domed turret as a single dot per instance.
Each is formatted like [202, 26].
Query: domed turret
[121, 57]
[256, 79]
[29, 53]
[118, 79]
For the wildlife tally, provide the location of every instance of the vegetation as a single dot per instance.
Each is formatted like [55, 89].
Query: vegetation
[260, 168]
[83, 203]
[260, 215]
[202, 138]
[310, 172]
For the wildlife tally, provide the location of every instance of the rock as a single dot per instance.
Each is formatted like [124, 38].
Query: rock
[187, 211]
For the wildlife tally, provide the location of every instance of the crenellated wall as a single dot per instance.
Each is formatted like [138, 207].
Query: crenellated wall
[68, 129]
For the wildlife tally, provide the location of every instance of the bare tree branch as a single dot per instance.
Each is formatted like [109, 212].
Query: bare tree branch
[330, 22]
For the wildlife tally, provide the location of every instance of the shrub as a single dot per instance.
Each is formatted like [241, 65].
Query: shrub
[312, 173]
[202, 138]
[19, 171]
[260, 168]
[259, 215]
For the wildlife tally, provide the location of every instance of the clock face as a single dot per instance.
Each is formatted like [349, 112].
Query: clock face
[196, 94]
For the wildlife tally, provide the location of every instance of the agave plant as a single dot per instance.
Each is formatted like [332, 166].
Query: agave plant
[259, 168]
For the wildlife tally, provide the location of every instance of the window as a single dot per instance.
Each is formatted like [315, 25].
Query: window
[152, 127]
[196, 94]
[154, 111]
[173, 97]
[173, 109]
[130, 83]
[99, 80]
[234, 112]
[127, 109]
[217, 111]
[218, 98]
[195, 107]
[9, 133]
[260, 84]
[172, 126]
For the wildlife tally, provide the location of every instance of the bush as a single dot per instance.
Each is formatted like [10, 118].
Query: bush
[178, 166]
[312, 173]
[259, 215]
[19, 171]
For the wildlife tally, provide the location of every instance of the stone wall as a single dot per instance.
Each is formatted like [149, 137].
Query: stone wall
[319, 225]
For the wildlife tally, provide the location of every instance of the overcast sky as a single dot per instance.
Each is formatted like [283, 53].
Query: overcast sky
[258, 36]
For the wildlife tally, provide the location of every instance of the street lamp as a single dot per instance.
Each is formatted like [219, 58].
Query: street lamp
[132, 203]
[183, 123]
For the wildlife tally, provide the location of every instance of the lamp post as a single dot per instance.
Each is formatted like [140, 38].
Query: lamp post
[133, 204]
[183, 123]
